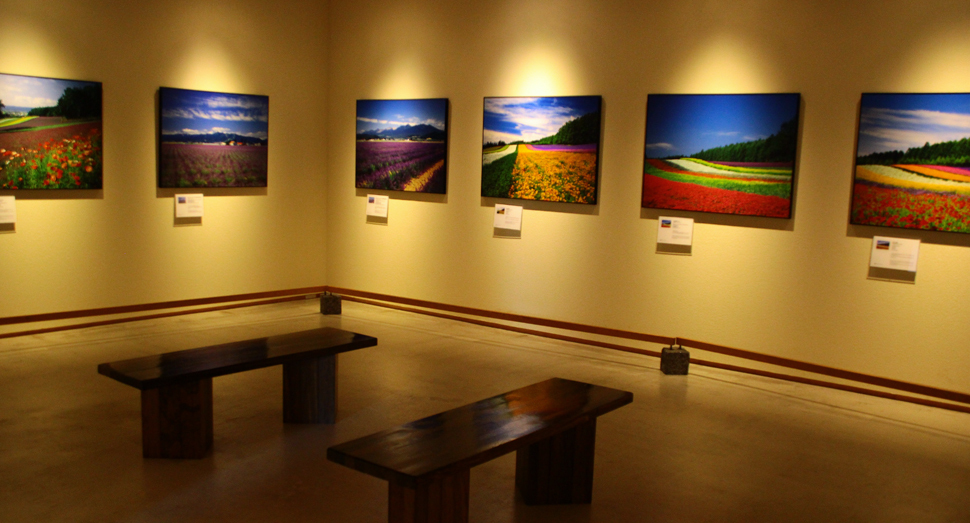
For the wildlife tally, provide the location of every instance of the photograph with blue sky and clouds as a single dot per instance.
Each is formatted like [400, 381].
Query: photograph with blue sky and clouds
[20, 94]
[402, 145]
[200, 114]
[897, 122]
[380, 116]
[50, 133]
[682, 125]
[528, 119]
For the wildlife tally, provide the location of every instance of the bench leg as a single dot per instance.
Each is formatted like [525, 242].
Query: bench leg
[310, 391]
[558, 469]
[444, 500]
[176, 420]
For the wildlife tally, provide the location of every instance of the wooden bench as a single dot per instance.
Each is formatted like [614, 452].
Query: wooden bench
[176, 387]
[551, 425]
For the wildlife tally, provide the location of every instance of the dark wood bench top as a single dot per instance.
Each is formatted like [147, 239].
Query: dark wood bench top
[193, 364]
[467, 436]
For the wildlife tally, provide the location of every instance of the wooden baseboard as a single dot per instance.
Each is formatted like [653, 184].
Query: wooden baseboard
[837, 386]
[129, 309]
[505, 316]
[833, 372]
[888, 383]
[146, 317]
[449, 312]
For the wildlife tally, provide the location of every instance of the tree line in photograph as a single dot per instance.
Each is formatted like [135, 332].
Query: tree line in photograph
[955, 153]
[76, 103]
[779, 147]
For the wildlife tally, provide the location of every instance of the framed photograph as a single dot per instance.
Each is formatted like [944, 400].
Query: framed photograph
[912, 167]
[402, 145]
[212, 139]
[544, 149]
[721, 153]
[50, 133]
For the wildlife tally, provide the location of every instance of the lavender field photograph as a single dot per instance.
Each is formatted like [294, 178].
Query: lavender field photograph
[212, 139]
[402, 145]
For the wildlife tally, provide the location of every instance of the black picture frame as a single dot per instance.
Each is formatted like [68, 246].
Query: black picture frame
[542, 148]
[911, 169]
[721, 153]
[402, 145]
[209, 139]
[51, 133]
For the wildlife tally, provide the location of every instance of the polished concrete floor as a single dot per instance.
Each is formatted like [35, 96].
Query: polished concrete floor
[713, 446]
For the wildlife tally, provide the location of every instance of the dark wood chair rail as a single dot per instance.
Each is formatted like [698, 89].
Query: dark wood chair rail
[217, 360]
[433, 455]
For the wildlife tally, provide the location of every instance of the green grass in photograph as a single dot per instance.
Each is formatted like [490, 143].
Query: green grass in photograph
[497, 176]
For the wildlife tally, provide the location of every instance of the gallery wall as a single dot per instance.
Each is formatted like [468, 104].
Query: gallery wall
[121, 245]
[796, 288]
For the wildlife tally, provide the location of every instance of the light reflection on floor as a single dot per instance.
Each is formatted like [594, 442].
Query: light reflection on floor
[712, 446]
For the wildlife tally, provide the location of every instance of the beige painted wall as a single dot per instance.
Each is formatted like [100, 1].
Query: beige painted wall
[795, 288]
[120, 246]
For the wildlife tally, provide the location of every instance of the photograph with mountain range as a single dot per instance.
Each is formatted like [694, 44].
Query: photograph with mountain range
[721, 153]
[913, 162]
[544, 149]
[212, 139]
[402, 145]
[50, 133]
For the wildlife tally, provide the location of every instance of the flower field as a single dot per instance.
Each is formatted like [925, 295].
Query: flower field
[959, 174]
[769, 165]
[929, 197]
[13, 122]
[696, 185]
[893, 176]
[197, 165]
[59, 157]
[587, 148]
[497, 149]
[700, 167]
[423, 181]
[401, 166]
[660, 192]
[560, 173]
[784, 170]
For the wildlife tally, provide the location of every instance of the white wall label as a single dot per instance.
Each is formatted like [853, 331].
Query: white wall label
[377, 205]
[8, 209]
[894, 253]
[676, 231]
[189, 206]
[508, 217]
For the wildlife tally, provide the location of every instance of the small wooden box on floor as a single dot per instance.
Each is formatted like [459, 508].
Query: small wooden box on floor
[551, 425]
[330, 304]
[674, 360]
[176, 387]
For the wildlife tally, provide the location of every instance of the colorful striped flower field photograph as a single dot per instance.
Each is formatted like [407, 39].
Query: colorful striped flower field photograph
[732, 154]
[544, 149]
[913, 162]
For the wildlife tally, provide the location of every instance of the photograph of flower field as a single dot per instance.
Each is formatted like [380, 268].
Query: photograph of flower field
[913, 162]
[212, 139]
[50, 133]
[402, 145]
[543, 149]
[731, 154]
